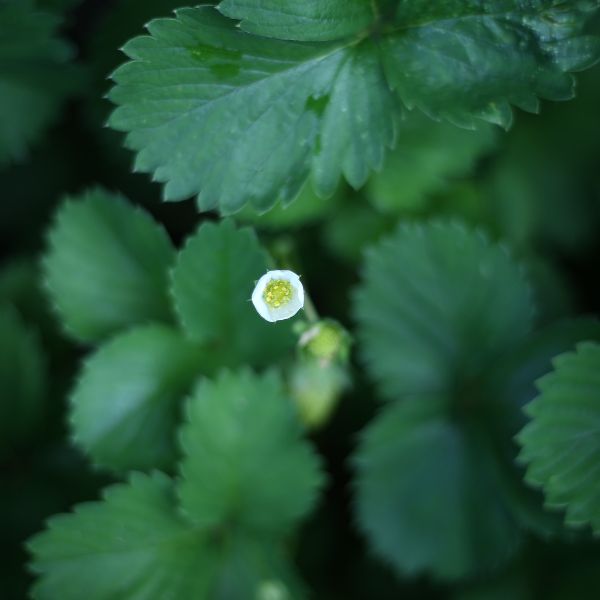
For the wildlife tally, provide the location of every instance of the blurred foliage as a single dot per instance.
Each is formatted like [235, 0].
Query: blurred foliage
[458, 448]
[36, 75]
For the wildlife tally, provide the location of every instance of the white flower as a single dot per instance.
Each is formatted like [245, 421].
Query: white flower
[278, 295]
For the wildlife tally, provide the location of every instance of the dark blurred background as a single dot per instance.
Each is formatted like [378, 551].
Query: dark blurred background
[537, 187]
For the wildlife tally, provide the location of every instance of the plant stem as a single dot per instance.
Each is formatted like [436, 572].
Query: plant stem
[312, 316]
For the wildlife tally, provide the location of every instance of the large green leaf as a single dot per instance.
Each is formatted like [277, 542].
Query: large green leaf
[34, 76]
[561, 444]
[309, 20]
[127, 403]
[479, 58]
[134, 544]
[275, 111]
[22, 379]
[107, 266]
[420, 521]
[438, 304]
[439, 307]
[244, 463]
[212, 283]
[427, 495]
[114, 27]
[199, 76]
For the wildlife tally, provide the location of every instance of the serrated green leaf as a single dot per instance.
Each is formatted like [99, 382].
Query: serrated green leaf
[134, 544]
[244, 462]
[309, 20]
[439, 303]
[561, 445]
[427, 496]
[127, 403]
[107, 266]
[114, 27]
[357, 124]
[428, 156]
[306, 210]
[294, 108]
[199, 76]
[131, 545]
[22, 379]
[212, 283]
[35, 76]
[509, 385]
[468, 440]
[481, 58]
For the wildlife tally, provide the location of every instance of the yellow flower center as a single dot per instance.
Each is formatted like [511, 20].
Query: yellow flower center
[278, 293]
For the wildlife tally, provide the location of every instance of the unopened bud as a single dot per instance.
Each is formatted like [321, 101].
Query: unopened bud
[326, 341]
[316, 389]
[272, 590]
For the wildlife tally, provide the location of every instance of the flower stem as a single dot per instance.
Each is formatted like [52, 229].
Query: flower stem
[312, 316]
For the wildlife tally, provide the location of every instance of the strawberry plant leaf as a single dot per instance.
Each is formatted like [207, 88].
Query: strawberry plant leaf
[244, 462]
[135, 544]
[212, 283]
[270, 96]
[427, 496]
[510, 386]
[128, 399]
[106, 267]
[293, 109]
[438, 304]
[308, 21]
[482, 58]
[561, 444]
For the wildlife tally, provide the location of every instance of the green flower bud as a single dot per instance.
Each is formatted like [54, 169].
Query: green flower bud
[316, 388]
[327, 341]
[272, 590]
